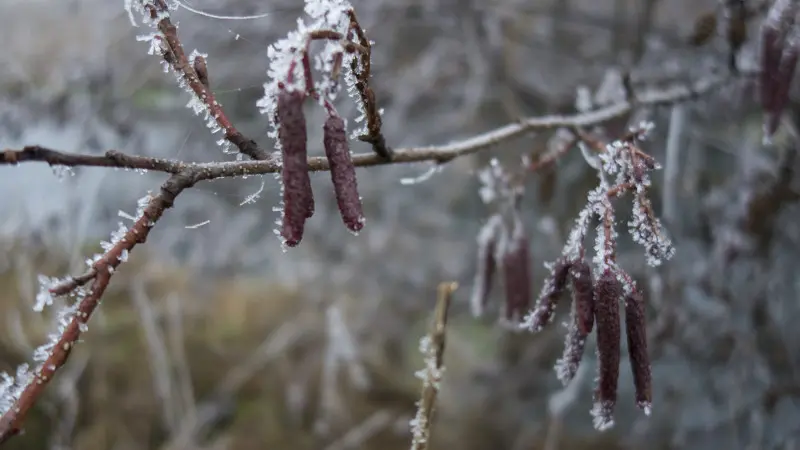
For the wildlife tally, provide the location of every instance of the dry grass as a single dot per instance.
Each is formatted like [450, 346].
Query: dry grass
[228, 329]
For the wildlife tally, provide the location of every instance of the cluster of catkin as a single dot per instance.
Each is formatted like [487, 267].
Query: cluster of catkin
[780, 48]
[596, 300]
[597, 285]
[503, 244]
[298, 197]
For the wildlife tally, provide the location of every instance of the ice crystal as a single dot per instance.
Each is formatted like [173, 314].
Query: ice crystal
[647, 231]
[285, 55]
[44, 297]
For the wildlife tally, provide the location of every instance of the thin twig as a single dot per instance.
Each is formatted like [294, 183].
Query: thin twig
[176, 57]
[432, 347]
[672, 168]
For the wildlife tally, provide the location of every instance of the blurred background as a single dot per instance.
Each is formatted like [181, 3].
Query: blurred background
[212, 337]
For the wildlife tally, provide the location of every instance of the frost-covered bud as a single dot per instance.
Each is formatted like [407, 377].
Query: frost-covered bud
[517, 273]
[608, 291]
[635, 329]
[552, 290]
[298, 199]
[487, 263]
[343, 173]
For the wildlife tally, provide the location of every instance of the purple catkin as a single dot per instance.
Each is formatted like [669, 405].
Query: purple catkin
[570, 361]
[636, 332]
[608, 291]
[516, 268]
[298, 199]
[774, 32]
[343, 173]
[583, 296]
[582, 321]
[770, 59]
[782, 83]
[487, 264]
[551, 293]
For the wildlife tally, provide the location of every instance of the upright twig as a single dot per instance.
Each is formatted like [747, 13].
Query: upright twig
[432, 348]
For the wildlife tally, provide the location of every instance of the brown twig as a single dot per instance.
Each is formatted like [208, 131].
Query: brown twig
[112, 158]
[176, 57]
[361, 67]
[439, 154]
[432, 347]
[100, 274]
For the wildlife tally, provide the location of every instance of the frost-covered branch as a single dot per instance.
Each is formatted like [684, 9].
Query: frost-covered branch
[18, 395]
[436, 153]
[432, 348]
[191, 73]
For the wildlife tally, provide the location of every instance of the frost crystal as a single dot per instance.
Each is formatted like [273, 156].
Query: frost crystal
[12, 387]
[431, 375]
[495, 182]
[129, 9]
[141, 205]
[44, 297]
[285, 55]
[647, 231]
[254, 196]
[603, 415]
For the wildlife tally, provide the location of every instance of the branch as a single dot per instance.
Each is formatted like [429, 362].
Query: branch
[439, 154]
[112, 158]
[100, 274]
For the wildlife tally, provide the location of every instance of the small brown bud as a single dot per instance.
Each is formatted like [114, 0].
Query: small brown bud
[343, 173]
[298, 199]
[636, 332]
[201, 70]
[608, 291]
